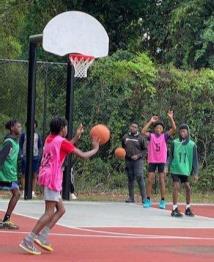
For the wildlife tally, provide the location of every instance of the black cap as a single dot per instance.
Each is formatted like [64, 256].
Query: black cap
[158, 123]
[184, 126]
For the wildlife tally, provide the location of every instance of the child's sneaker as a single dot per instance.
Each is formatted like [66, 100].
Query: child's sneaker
[129, 200]
[73, 196]
[188, 212]
[147, 203]
[10, 225]
[162, 204]
[29, 247]
[44, 244]
[176, 213]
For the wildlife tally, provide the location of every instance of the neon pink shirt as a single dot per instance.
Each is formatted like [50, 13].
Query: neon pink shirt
[50, 173]
[157, 148]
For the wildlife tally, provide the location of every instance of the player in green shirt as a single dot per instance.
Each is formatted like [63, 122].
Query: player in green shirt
[184, 162]
[8, 169]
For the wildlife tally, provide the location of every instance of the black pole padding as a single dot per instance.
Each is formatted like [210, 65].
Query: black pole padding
[30, 119]
[69, 117]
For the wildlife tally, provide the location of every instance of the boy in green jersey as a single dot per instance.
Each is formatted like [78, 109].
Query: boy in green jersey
[8, 169]
[184, 162]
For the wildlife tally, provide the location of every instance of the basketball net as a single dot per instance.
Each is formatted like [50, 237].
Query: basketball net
[81, 64]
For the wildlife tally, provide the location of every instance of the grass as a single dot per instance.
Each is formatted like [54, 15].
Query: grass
[121, 194]
[120, 197]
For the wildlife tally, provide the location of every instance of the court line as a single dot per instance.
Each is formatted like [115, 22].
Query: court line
[113, 236]
[91, 228]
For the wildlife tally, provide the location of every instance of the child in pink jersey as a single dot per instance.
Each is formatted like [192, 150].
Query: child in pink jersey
[55, 150]
[157, 155]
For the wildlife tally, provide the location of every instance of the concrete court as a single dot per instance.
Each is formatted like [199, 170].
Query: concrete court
[112, 214]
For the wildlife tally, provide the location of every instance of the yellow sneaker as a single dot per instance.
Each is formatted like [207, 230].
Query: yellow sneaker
[45, 245]
[10, 225]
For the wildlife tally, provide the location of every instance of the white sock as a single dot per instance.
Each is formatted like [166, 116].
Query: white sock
[30, 237]
[174, 207]
[188, 206]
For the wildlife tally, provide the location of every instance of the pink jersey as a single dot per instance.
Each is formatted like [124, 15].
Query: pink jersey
[50, 173]
[157, 149]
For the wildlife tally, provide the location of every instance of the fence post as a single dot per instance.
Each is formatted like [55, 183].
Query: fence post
[34, 40]
[69, 117]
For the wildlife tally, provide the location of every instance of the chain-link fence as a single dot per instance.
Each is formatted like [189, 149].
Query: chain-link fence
[103, 172]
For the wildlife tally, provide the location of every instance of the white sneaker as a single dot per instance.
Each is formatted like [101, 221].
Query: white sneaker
[34, 195]
[73, 197]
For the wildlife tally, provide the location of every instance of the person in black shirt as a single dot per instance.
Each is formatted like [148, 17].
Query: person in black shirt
[135, 147]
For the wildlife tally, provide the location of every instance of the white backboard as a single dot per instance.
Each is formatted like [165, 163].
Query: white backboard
[75, 32]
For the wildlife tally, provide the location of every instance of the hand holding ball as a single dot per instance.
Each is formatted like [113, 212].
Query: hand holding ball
[120, 153]
[101, 133]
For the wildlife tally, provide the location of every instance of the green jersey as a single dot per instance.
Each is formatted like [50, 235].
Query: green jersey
[184, 157]
[8, 170]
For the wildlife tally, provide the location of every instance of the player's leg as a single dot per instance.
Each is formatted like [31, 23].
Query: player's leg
[139, 174]
[28, 242]
[42, 239]
[12, 204]
[34, 182]
[176, 189]
[150, 180]
[35, 168]
[131, 180]
[188, 211]
[162, 179]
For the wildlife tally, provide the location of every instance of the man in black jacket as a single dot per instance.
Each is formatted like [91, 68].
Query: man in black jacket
[135, 147]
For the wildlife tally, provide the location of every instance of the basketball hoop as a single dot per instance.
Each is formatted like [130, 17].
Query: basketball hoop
[81, 64]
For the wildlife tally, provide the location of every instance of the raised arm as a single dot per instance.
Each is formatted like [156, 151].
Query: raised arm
[78, 134]
[173, 128]
[146, 127]
[88, 154]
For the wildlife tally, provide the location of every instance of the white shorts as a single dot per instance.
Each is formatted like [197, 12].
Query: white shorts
[50, 195]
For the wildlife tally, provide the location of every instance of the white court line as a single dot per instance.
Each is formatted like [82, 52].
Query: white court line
[107, 236]
[110, 234]
[87, 228]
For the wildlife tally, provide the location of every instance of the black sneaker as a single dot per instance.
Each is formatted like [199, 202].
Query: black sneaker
[129, 200]
[176, 213]
[188, 212]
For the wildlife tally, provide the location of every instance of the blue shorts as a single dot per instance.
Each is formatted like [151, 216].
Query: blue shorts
[35, 166]
[9, 185]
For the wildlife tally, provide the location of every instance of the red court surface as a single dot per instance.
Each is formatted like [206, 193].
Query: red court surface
[115, 244]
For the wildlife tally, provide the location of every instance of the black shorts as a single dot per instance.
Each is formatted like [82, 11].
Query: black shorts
[156, 166]
[180, 178]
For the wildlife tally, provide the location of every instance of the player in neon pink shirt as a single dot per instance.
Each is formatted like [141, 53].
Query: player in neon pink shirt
[56, 148]
[157, 155]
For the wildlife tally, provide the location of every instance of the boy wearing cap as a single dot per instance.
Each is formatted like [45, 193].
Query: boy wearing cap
[157, 155]
[183, 163]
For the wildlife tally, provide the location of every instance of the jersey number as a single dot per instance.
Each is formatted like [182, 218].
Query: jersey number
[157, 147]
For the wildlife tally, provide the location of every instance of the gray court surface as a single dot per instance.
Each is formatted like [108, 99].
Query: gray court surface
[112, 214]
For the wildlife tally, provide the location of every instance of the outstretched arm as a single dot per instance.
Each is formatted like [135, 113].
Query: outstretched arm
[146, 127]
[88, 154]
[173, 128]
[78, 134]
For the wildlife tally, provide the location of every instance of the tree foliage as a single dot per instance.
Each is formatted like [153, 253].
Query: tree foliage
[179, 32]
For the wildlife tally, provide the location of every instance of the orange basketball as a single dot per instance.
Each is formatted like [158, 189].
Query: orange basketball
[101, 132]
[120, 153]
